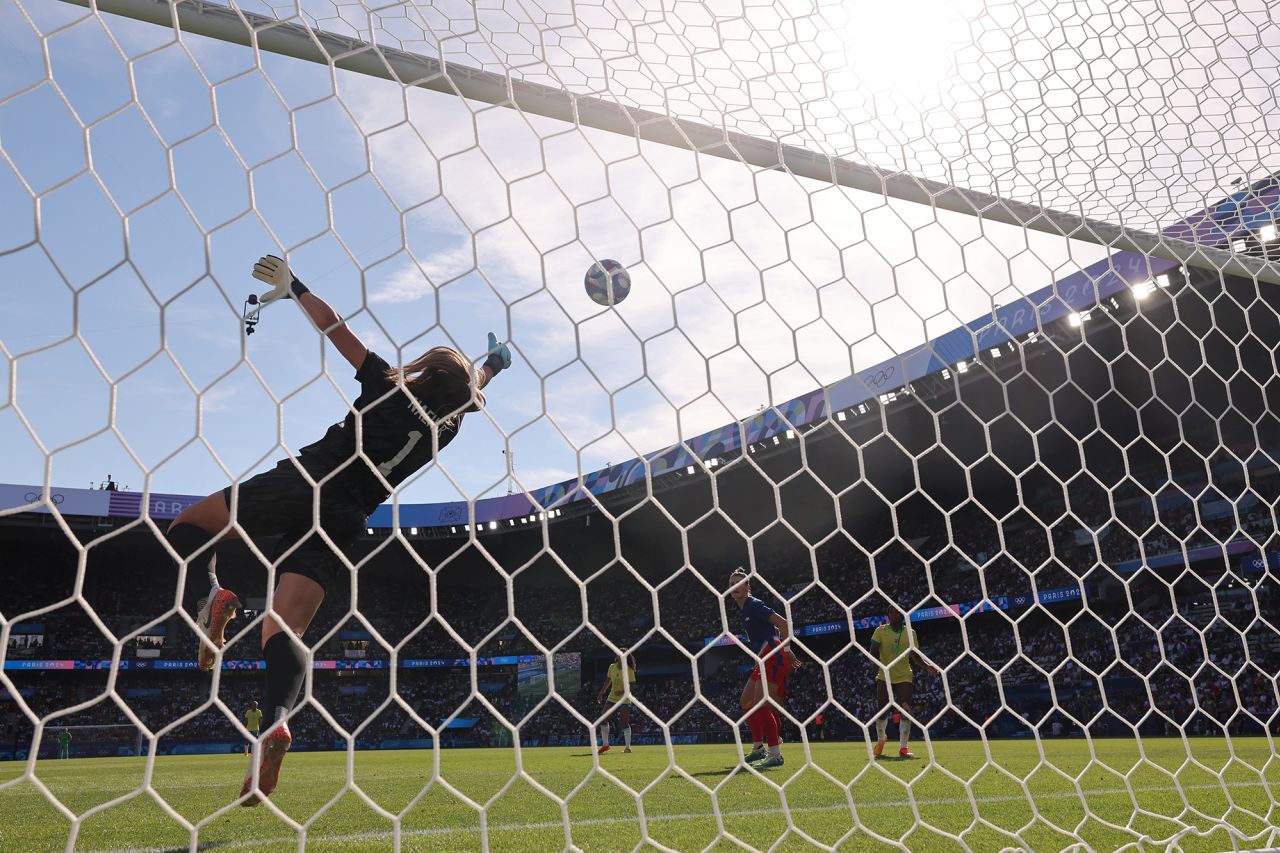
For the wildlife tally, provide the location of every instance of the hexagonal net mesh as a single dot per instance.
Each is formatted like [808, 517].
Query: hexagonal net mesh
[958, 312]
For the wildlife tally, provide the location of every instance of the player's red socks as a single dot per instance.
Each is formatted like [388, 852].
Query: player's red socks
[753, 723]
[765, 727]
[772, 727]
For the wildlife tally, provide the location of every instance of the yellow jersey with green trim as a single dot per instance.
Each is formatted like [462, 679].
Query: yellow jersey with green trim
[253, 719]
[894, 652]
[617, 682]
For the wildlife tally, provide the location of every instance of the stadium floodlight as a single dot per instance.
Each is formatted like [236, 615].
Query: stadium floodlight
[1267, 233]
[1143, 289]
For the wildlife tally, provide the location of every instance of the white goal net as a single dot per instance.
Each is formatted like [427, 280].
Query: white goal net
[960, 312]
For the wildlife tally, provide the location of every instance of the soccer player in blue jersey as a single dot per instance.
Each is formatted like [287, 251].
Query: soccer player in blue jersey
[767, 637]
[318, 502]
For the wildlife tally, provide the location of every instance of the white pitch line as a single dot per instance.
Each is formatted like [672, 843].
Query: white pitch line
[666, 818]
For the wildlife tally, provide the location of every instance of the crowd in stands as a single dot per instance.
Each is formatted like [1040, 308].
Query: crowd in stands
[965, 563]
[1178, 651]
[1191, 669]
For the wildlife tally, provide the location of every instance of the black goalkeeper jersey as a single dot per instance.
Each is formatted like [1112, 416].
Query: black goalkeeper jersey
[396, 439]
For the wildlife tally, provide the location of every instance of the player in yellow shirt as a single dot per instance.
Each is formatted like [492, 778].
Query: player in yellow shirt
[895, 646]
[615, 684]
[252, 722]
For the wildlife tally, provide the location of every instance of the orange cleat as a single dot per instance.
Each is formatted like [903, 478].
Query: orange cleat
[274, 746]
[878, 749]
[905, 752]
[215, 612]
[603, 749]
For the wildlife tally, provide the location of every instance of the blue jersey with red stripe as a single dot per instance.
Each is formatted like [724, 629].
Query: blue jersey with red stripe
[760, 631]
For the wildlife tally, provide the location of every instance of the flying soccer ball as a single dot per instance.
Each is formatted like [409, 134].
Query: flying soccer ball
[607, 283]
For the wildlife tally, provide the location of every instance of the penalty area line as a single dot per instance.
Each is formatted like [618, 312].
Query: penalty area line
[426, 832]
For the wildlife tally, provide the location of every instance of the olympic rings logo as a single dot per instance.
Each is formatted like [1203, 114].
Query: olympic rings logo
[879, 378]
[34, 497]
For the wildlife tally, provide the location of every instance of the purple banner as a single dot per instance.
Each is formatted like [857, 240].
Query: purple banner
[1000, 602]
[1247, 210]
[129, 504]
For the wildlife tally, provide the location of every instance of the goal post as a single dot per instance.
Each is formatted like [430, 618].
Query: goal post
[287, 38]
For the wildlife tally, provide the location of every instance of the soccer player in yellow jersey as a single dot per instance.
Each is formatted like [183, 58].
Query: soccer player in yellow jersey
[252, 722]
[615, 684]
[894, 645]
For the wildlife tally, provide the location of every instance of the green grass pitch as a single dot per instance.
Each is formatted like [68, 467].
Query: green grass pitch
[1155, 795]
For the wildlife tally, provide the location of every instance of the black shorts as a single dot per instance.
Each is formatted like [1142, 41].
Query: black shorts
[281, 502]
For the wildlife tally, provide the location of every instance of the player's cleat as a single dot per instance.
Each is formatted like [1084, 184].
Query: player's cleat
[603, 749]
[770, 762]
[878, 749]
[905, 752]
[274, 746]
[215, 612]
[626, 750]
[757, 754]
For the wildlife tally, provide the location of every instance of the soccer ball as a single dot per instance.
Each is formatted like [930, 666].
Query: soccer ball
[607, 282]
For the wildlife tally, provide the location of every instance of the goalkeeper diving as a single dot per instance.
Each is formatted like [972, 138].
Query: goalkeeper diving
[318, 502]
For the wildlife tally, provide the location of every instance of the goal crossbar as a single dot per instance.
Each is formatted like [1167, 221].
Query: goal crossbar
[288, 38]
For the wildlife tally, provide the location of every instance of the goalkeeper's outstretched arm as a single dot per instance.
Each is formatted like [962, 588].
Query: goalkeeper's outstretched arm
[285, 285]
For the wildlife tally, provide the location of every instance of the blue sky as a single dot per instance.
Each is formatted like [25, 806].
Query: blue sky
[426, 219]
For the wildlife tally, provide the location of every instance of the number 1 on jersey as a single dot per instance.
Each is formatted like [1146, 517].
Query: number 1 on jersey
[387, 467]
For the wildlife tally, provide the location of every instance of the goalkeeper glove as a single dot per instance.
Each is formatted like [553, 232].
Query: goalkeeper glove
[499, 358]
[275, 272]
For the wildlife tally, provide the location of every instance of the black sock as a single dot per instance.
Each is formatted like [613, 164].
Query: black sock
[186, 539]
[286, 668]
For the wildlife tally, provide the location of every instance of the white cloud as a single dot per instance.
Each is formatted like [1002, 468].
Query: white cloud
[406, 284]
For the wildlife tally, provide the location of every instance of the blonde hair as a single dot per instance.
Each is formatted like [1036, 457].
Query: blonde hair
[444, 379]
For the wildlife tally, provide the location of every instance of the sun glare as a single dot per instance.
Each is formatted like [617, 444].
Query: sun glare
[904, 48]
